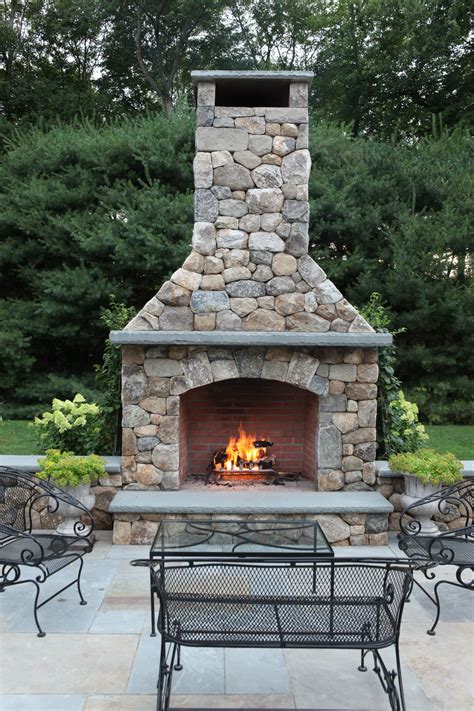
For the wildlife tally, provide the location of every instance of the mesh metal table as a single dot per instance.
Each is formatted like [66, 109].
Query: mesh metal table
[227, 539]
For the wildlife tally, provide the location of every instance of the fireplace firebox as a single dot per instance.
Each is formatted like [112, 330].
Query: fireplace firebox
[247, 429]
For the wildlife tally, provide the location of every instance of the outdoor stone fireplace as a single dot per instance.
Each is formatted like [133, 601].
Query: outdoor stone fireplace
[250, 333]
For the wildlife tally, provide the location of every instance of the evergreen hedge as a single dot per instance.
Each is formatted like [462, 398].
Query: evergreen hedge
[88, 211]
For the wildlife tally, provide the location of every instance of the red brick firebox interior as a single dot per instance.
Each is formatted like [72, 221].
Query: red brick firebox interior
[282, 413]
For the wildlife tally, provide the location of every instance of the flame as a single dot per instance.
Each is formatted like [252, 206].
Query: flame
[242, 447]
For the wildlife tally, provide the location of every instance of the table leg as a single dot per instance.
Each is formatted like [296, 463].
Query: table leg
[152, 606]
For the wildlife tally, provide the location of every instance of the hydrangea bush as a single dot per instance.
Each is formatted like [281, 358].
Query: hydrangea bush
[71, 425]
[406, 434]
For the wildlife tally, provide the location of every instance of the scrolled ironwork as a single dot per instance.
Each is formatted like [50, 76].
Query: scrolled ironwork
[469, 584]
[46, 552]
[454, 547]
[10, 573]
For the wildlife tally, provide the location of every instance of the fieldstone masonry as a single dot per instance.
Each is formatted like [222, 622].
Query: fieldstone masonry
[343, 379]
[249, 270]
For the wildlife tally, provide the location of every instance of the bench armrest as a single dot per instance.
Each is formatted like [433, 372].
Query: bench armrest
[460, 495]
[19, 548]
[27, 491]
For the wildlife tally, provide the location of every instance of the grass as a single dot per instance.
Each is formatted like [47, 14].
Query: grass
[16, 437]
[458, 439]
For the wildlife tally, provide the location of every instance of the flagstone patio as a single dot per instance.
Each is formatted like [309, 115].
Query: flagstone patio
[100, 657]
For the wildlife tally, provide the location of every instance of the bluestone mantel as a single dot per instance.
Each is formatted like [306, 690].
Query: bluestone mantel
[250, 339]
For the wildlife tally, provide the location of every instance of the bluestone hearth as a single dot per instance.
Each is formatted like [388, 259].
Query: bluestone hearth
[249, 367]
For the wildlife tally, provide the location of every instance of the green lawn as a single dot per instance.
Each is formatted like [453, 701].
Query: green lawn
[458, 439]
[16, 437]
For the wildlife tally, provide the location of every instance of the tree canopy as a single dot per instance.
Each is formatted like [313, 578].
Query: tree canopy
[384, 67]
[96, 141]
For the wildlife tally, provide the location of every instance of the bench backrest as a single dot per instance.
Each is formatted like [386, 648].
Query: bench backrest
[338, 600]
[18, 495]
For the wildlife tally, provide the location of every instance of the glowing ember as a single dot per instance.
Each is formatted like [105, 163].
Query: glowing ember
[245, 452]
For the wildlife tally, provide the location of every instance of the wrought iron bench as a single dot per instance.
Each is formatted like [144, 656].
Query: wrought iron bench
[33, 557]
[302, 604]
[455, 547]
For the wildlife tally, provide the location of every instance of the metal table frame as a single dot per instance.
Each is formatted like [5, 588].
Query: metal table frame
[248, 540]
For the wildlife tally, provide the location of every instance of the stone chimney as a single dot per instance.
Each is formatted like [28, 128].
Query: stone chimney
[248, 267]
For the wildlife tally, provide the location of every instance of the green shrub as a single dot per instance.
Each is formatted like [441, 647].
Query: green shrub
[68, 470]
[35, 393]
[398, 429]
[108, 379]
[429, 466]
[71, 425]
[405, 433]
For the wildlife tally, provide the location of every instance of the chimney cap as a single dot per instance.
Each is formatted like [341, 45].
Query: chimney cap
[199, 75]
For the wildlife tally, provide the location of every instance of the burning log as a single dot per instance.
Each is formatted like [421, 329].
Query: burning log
[244, 455]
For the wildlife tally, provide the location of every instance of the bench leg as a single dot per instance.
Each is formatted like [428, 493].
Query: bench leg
[362, 667]
[35, 610]
[82, 602]
[165, 676]
[178, 666]
[464, 585]
[389, 681]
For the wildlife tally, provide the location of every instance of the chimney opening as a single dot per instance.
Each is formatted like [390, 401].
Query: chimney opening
[248, 92]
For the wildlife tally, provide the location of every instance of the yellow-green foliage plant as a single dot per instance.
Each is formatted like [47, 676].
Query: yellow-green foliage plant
[429, 466]
[68, 470]
[71, 425]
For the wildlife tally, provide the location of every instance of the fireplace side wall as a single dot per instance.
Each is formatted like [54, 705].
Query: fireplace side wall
[154, 378]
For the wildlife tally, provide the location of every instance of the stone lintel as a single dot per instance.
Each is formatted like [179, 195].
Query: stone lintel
[211, 502]
[200, 75]
[257, 338]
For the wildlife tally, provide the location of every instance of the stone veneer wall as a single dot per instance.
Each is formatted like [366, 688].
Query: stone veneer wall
[343, 529]
[344, 380]
[249, 268]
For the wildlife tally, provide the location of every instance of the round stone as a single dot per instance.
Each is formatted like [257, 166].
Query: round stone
[266, 241]
[267, 176]
[270, 221]
[280, 285]
[209, 301]
[234, 176]
[204, 238]
[261, 200]
[282, 145]
[287, 304]
[232, 208]
[284, 264]
[247, 158]
[296, 166]
[262, 273]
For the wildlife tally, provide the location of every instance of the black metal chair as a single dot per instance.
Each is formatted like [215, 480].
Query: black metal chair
[324, 604]
[454, 547]
[38, 555]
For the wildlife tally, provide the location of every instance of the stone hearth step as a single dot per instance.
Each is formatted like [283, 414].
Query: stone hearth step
[256, 502]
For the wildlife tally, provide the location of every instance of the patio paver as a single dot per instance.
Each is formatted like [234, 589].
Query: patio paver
[100, 657]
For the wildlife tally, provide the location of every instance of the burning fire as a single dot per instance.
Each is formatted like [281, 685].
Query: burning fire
[242, 448]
